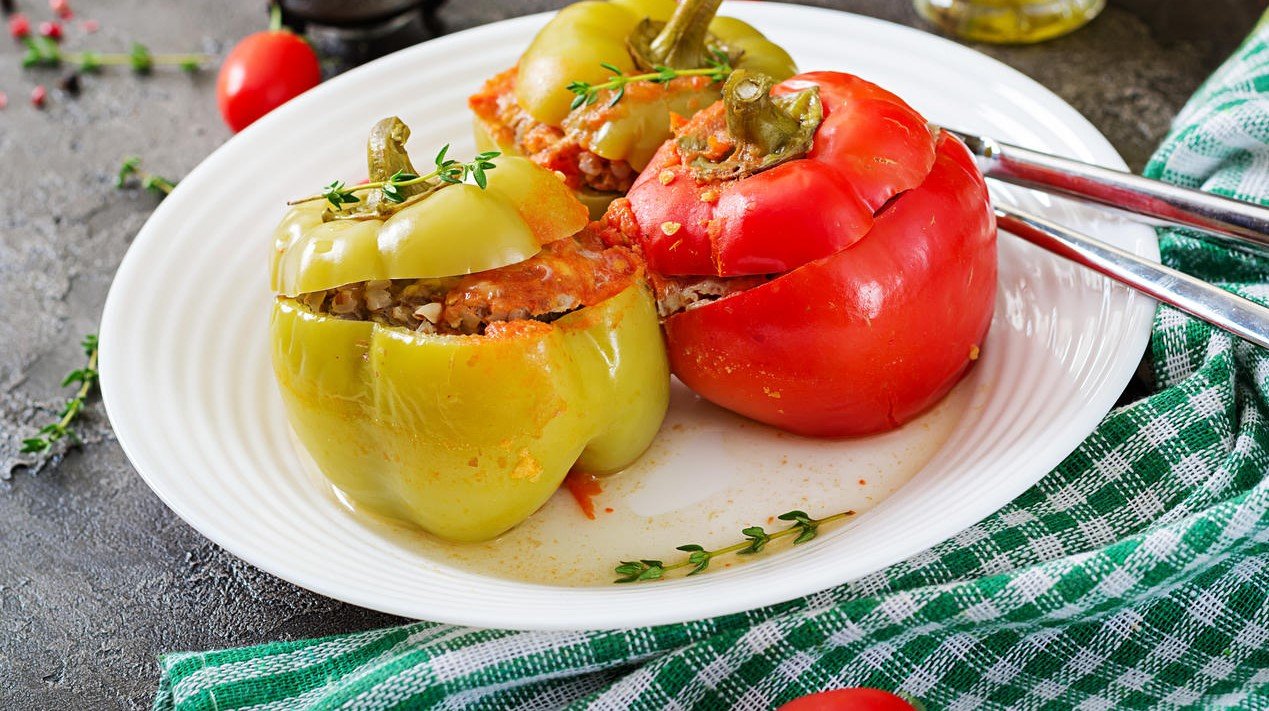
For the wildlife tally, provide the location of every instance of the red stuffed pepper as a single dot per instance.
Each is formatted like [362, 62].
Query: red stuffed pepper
[825, 259]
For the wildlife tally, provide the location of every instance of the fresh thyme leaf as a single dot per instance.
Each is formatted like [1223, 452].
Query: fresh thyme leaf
[131, 168]
[652, 573]
[809, 528]
[663, 75]
[140, 58]
[698, 558]
[758, 540]
[799, 516]
[718, 68]
[337, 194]
[34, 445]
[126, 170]
[392, 193]
[616, 97]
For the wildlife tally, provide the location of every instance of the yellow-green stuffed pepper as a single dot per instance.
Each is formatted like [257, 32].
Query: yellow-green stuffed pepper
[447, 359]
[572, 103]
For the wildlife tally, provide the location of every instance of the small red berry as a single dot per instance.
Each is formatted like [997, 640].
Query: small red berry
[61, 8]
[4, 99]
[19, 26]
[38, 95]
[51, 30]
[89, 26]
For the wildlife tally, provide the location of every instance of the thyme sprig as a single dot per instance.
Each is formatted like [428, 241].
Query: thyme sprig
[718, 69]
[43, 52]
[447, 170]
[86, 377]
[131, 168]
[698, 558]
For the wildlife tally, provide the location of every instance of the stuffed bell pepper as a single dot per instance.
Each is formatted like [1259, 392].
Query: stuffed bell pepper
[593, 94]
[825, 260]
[449, 345]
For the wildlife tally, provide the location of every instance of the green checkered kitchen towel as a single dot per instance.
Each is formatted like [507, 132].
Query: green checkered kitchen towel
[1135, 575]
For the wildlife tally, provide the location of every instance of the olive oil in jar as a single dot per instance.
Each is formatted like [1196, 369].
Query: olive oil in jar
[1009, 21]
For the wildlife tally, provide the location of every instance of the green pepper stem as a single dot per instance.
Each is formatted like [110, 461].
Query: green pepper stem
[752, 117]
[386, 155]
[765, 130]
[681, 44]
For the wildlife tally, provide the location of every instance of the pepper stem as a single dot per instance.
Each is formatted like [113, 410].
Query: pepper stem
[386, 153]
[681, 44]
[765, 130]
[753, 118]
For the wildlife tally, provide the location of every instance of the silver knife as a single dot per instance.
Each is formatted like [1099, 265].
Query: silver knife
[1237, 223]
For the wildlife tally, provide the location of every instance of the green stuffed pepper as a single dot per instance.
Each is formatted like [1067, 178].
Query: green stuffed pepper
[575, 104]
[447, 353]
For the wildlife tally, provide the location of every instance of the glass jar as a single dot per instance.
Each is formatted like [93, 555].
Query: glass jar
[1009, 21]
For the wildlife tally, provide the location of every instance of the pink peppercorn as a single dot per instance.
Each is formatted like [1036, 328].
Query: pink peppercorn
[38, 95]
[61, 8]
[51, 30]
[89, 26]
[4, 99]
[19, 26]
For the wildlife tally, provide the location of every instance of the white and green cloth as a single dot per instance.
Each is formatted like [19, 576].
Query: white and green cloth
[1135, 575]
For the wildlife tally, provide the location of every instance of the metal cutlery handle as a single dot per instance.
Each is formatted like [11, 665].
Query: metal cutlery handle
[1210, 303]
[1241, 221]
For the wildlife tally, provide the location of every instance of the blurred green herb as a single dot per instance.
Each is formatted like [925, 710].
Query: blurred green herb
[131, 173]
[86, 378]
[43, 52]
[698, 558]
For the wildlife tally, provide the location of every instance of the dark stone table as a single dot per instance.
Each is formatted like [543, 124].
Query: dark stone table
[96, 575]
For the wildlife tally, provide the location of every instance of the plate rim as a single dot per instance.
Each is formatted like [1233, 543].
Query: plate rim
[1138, 320]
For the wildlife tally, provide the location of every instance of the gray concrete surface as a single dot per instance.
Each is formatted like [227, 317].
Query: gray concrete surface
[96, 575]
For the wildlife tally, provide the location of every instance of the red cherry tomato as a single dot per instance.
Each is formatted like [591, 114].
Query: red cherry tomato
[849, 700]
[264, 71]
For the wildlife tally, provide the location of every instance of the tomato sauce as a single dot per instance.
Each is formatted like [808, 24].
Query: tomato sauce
[584, 488]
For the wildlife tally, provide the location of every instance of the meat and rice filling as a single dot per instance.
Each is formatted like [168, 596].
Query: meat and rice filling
[563, 149]
[673, 293]
[549, 146]
[566, 275]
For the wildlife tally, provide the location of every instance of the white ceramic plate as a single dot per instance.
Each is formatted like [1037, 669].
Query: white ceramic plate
[187, 382]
